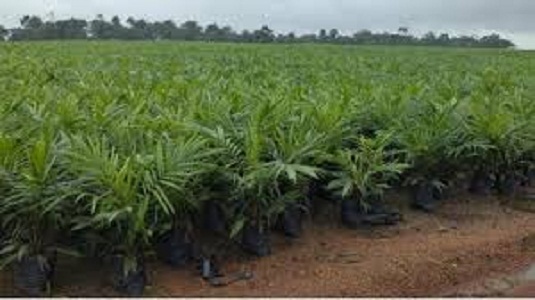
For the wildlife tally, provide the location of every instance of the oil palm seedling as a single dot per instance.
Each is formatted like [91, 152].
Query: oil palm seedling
[253, 195]
[173, 174]
[500, 122]
[109, 201]
[328, 121]
[248, 187]
[35, 209]
[135, 195]
[293, 149]
[429, 133]
[258, 159]
[364, 175]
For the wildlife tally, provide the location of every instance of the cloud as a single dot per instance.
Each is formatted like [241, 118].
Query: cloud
[512, 17]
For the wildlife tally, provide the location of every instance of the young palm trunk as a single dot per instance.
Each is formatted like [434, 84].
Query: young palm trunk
[133, 282]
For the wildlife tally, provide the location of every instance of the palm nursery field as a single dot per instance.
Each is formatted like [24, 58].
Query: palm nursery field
[125, 149]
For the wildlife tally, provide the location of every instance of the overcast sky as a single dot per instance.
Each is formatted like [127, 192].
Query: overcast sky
[514, 19]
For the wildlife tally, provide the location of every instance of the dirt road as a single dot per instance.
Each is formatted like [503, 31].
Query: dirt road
[457, 251]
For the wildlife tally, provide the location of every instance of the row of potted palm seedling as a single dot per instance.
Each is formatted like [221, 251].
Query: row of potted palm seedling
[118, 176]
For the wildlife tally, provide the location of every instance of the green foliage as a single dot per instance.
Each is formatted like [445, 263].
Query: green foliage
[127, 142]
[366, 170]
[36, 191]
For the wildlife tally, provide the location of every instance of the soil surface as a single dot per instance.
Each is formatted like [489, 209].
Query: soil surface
[475, 247]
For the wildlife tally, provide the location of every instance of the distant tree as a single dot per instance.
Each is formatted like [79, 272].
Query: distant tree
[192, 30]
[100, 28]
[68, 29]
[444, 39]
[213, 33]
[280, 38]
[264, 35]
[494, 41]
[322, 35]
[228, 34]
[363, 37]
[291, 37]
[333, 34]
[3, 33]
[246, 36]
[464, 41]
[286, 38]
[33, 28]
[403, 30]
[429, 38]
[164, 30]
[139, 29]
[31, 22]
[24, 21]
[308, 38]
[116, 21]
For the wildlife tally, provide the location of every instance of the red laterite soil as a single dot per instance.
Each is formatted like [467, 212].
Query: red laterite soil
[469, 247]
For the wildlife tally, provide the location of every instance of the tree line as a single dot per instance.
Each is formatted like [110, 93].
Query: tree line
[34, 28]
